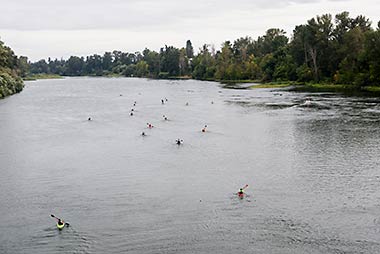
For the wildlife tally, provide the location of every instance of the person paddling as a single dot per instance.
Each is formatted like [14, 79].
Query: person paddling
[204, 129]
[241, 191]
[179, 141]
[60, 223]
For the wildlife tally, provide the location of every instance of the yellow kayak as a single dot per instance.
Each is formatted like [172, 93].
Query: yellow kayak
[60, 226]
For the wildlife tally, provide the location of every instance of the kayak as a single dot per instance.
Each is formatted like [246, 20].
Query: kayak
[60, 226]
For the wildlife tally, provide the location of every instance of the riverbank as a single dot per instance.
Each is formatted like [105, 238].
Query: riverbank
[338, 88]
[256, 84]
[10, 83]
[321, 87]
[42, 76]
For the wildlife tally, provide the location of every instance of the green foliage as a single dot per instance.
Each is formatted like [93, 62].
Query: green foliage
[371, 56]
[189, 49]
[341, 50]
[10, 68]
[130, 70]
[204, 64]
[170, 60]
[142, 69]
[304, 73]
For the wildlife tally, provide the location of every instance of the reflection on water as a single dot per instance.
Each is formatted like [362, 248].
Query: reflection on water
[310, 160]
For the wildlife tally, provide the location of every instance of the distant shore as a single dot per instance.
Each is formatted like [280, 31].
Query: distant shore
[322, 87]
[257, 84]
[42, 76]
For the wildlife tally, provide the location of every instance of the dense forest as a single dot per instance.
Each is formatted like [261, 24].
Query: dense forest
[340, 50]
[12, 68]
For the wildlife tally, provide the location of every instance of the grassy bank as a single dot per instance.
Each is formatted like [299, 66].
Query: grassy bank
[338, 88]
[276, 84]
[322, 87]
[233, 82]
[42, 76]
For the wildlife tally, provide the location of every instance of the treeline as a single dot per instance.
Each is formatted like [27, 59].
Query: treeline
[341, 50]
[169, 62]
[12, 68]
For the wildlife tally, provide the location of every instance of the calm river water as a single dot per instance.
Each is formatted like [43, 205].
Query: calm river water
[311, 162]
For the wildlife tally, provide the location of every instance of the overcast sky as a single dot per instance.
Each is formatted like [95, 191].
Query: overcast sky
[60, 28]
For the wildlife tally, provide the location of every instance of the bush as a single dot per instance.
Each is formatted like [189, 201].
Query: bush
[9, 84]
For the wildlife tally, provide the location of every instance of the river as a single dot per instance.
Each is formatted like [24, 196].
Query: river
[311, 162]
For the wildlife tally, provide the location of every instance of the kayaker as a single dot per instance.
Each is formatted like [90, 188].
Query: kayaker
[162, 101]
[143, 134]
[89, 119]
[241, 191]
[204, 129]
[179, 141]
[165, 118]
[60, 222]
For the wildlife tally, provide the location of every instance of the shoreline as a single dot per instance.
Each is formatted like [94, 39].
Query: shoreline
[256, 84]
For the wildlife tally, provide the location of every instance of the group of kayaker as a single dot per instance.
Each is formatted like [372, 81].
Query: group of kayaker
[241, 192]
[61, 223]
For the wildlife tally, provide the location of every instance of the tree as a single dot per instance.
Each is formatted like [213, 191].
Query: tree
[189, 49]
[107, 61]
[316, 38]
[224, 62]
[23, 66]
[242, 49]
[93, 65]
[10, 81]
[350, 49]
[183, 62]
[152, 58]
[39, 67]
[142, 69]
[74, 66]
[170, 60]
[371, 58]
[204, 64]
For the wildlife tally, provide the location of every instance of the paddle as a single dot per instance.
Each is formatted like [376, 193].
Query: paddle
[52, 215]
[245, 187]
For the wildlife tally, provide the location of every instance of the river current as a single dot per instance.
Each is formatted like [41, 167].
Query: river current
[311, 162]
